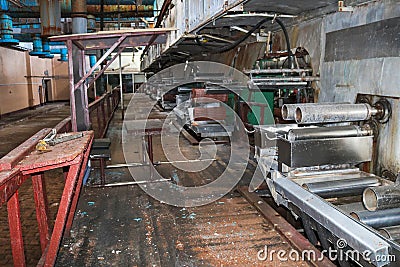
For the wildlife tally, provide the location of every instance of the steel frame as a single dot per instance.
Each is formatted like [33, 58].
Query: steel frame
[18, 172]
[98, 41]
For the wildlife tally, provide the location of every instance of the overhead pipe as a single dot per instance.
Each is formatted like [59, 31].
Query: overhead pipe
[382, 197]
[50, 17]
[37, 47]
[67, 10]
[6, 31]
[63, 52]
[341, 188]
[46, 49]
[378, 219]
[79, 16]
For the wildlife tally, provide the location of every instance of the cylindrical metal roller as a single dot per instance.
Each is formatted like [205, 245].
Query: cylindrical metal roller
[378, 219]
[289, 110]
[392, 232]
[328, 132]
[342, 188]
[332, 113]
[382, 197]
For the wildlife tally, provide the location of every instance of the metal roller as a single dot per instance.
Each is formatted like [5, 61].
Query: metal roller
[289, 110]
[378, 219]
[392, 232]
[331, 113]
[382, 197]
[342, 188]
[328, 132]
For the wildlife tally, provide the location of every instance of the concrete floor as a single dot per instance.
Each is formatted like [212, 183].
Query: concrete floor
[123, 226]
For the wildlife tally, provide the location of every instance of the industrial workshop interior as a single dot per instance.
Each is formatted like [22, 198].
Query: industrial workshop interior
[190, 133]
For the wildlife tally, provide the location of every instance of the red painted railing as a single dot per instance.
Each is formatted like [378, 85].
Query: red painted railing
[24, 163]
[101, 112]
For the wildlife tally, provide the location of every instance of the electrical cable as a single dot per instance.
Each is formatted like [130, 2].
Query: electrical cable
[248, 34]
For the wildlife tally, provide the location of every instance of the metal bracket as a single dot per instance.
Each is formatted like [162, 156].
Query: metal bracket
[344, 8]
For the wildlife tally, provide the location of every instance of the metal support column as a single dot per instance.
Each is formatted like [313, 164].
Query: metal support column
[79, 25]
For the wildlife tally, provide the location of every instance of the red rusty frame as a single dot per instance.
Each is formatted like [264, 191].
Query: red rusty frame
[14, 222]
[125, 38]
[11, 180]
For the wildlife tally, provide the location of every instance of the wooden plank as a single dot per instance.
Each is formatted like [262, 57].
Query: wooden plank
[10, 160]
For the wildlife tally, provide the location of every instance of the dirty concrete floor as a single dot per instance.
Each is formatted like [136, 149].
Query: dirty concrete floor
[123, 226]
[15, 129]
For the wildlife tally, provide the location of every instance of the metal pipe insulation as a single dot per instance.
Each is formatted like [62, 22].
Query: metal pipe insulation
[50, 17]
[341, 188]
[331, 113]
[378, 219]
[328, 132]
[382, 197]
[289, 110]
[392, 232]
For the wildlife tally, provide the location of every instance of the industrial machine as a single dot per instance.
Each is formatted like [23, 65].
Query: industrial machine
[318, 169]
[277, 79]
[205, 113]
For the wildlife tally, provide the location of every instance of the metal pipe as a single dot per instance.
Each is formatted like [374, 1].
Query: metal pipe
[289, 110]
[328, 132]
[392, 232]
[382, 197]
[331, 113]
[378, 219]
[50, 17]
[341, 188]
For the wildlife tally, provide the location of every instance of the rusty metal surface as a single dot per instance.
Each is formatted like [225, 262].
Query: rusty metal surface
[59, 153]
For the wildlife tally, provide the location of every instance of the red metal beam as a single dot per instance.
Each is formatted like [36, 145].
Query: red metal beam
[14, 222]
[106, 66]
[77, 192]
[109, 51]
[62, 214]
[42, 211]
